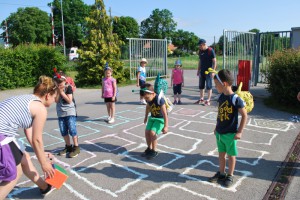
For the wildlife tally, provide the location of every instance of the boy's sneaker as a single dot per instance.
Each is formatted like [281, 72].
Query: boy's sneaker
[112, 120]
[228, 181]
[75, 152]
[146, 152]
[207, 103]
[217, 177]
[179, 102]
[47, 191]
[67, 149]
[175, 102]
[152, 154]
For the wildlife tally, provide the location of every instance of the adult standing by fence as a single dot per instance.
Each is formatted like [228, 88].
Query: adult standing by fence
[207, 59]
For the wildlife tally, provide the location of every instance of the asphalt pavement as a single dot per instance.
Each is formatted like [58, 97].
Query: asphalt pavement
[110, 166]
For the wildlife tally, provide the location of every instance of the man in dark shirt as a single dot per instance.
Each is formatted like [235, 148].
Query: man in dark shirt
[207, 59]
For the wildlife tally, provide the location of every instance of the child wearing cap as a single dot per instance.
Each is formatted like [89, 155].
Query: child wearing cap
[109, 92]
[66, 112]
[227, 131]
[157, 123]
[177, 81]
[141, 78]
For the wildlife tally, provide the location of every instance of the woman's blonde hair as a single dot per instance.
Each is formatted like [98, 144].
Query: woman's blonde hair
[44, 86]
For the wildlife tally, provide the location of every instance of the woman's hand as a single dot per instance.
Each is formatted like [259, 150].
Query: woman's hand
[48, 169]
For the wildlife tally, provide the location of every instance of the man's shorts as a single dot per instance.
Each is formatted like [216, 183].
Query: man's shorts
[177, 88]
[227, 143]
[205, 78]
[106, 100]
[67, 125]
[155, 124]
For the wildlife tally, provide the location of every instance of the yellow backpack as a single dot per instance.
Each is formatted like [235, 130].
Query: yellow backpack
[246, 96]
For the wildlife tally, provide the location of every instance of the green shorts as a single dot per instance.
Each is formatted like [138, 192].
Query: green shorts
[155, 124]
[227, 143]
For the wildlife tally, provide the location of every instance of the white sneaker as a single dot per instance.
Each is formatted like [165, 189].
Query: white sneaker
[144, 102]
[109, 118]
[112, 120]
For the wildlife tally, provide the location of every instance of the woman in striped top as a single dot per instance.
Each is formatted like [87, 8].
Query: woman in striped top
[29, 113]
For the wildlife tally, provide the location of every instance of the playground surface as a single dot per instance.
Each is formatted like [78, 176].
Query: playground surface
[110, 166]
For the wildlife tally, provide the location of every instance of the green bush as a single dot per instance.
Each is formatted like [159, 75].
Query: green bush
[284, 77]
[22, 66]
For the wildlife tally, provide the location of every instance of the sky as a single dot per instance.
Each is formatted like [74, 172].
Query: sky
[206, 19]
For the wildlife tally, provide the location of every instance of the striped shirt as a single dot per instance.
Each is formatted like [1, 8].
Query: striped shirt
[15, 114]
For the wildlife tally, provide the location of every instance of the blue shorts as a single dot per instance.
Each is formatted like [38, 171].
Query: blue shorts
[205, 78]
[177, 88]
[67, 125]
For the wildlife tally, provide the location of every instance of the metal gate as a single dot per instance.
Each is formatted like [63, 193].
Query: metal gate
[266, 44]
[154, 50]
[237, 46]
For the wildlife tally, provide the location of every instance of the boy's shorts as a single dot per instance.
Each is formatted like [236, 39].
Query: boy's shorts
[227, 143]
[67, 125]
[155, 124]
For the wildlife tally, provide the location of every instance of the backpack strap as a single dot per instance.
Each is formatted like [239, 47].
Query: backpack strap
[160, 96]
[209, 51]
[234, 99]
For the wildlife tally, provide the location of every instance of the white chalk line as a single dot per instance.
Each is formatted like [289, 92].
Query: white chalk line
[148, 195]
[232, 188]
[194, 146]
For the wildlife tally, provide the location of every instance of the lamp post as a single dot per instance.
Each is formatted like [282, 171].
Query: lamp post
[62, 24]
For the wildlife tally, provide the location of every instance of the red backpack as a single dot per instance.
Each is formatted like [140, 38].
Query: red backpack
[70, 81]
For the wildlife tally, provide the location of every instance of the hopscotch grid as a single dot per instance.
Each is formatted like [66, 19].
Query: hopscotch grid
[194, 147]
[282, 126]
[149, 194]
[215, 185]
[126, 154]
[189, 122]
[177, 112]
[254, 163]
[122, 189]
[114, 136]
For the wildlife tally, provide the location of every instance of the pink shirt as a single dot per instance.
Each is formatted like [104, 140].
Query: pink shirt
[177, 76]
[108, 87]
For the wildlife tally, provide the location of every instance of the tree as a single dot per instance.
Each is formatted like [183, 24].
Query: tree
[159, 25]
[100, 46]
[185, 40]
[74, 13]
[254, 30]
[125, 27]
[28, 25]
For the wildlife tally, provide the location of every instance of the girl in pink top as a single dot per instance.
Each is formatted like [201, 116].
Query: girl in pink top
[109, 92]
[177, 81]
